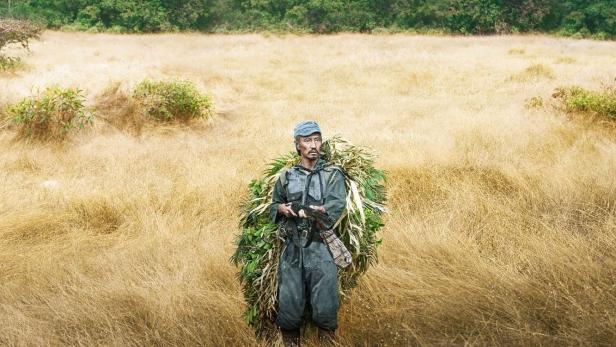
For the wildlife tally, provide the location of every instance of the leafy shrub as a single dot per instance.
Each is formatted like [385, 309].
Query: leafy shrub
[16, 32]
[50, 115]
[475, 17]
[590, 17]
[577, 99]
[172, 100]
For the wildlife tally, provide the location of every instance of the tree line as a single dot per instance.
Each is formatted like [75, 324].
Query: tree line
[569, 17]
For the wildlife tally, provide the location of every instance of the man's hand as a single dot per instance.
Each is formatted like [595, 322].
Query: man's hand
[321, 209]
[318, 208]
[287, 211]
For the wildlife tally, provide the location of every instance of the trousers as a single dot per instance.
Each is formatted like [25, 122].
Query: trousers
[307, 275]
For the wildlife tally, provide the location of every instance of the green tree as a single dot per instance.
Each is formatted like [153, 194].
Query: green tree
[324, 16]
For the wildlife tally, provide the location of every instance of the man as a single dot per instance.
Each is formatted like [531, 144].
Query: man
[307, 273]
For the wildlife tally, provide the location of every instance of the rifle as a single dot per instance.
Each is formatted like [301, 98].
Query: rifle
[320, 218]
[341, 255]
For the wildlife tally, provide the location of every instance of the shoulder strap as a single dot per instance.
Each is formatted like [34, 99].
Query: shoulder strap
[331, 171]
[283, 178]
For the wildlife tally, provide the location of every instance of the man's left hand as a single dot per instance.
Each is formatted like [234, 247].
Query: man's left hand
[318, 208]
[302, 213]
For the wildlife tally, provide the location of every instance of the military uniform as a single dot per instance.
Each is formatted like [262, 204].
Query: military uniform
[306, 268]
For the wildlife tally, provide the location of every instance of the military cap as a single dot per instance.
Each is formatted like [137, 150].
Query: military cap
[306, 128]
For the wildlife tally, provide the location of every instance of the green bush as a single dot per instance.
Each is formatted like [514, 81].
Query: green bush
[475, 16]
[577, 99]
[19, 32]
[590, 18]
[172, 100]
[50, 115]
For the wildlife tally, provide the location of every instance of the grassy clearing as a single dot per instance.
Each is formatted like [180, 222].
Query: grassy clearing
[500, 230]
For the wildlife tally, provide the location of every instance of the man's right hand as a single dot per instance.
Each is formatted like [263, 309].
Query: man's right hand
[286, 210]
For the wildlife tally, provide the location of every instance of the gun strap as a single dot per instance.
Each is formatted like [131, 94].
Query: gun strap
[312, 226]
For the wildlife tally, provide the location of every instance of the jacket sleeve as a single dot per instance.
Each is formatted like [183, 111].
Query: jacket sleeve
[335, 198]
[278, 197]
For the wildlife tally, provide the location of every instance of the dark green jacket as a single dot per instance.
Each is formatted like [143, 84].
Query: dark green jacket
[291, 186]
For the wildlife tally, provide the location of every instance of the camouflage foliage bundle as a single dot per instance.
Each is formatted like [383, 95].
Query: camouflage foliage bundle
[258, 245]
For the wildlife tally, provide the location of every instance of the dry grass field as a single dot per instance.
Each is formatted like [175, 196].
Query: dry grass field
[501, 223]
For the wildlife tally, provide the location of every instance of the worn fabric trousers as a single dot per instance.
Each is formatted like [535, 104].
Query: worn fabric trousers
[316, 281]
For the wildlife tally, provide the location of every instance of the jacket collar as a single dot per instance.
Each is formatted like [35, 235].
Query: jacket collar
[318, 167]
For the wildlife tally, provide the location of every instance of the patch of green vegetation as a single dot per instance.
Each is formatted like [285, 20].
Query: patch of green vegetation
[578, 18]
[50, 115]
[577, 99]
[10, 63]
[172, 100]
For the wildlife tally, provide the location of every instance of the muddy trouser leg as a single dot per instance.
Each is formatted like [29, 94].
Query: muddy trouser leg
[322, 282]
[291, 299]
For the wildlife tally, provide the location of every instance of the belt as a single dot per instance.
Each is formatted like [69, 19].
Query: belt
[316, 235]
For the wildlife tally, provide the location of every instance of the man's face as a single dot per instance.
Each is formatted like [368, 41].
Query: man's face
[310, 146]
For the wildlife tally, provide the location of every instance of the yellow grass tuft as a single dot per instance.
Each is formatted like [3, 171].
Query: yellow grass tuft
[516, 51]
[565, 60]
[534, 72]
[116, 107]
[534, 102]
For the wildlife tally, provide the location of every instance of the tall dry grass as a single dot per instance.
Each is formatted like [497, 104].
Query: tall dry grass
[501, 227]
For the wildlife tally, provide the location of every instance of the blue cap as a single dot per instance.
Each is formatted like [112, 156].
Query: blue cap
[306, 128]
